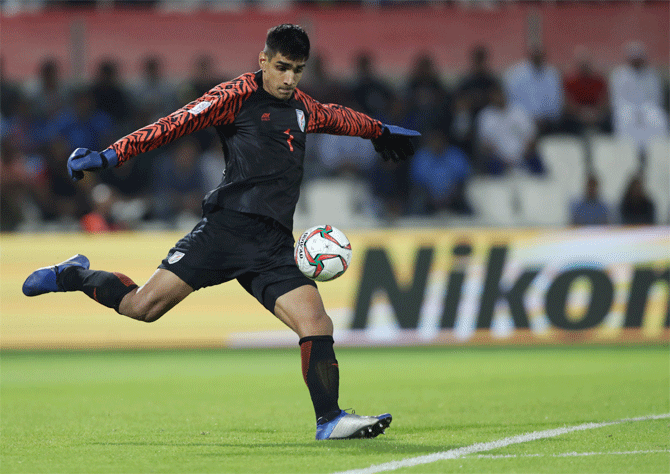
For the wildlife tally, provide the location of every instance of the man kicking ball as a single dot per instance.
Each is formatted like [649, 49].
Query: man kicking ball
[245, 232]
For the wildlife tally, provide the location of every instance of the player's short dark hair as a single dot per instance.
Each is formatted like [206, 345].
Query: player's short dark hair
[289, 40]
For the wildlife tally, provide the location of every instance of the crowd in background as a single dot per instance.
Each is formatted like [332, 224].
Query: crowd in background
[484, 123]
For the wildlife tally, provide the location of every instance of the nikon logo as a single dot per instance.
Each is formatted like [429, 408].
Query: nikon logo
[407, 300]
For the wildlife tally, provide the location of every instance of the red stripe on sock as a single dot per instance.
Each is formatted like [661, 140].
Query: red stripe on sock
[305, 353]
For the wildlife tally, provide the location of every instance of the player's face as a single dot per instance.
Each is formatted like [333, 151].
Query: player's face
[280, 74]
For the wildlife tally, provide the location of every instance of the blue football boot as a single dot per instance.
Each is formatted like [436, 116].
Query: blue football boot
[43, 280]
[349, 426]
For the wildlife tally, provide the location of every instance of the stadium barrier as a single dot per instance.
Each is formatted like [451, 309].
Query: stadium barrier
[409, 286]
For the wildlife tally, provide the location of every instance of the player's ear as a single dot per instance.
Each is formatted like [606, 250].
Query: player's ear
[262, 59]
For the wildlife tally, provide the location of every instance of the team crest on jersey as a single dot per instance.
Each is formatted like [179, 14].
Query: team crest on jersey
[301, 119]
[175, 257]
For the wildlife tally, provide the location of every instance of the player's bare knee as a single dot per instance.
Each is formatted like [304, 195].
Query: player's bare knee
[143, 309]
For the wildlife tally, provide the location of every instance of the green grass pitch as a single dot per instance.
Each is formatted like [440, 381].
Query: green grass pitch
[249, 410]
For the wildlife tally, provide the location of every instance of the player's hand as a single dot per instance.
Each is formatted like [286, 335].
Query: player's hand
[395, 143]
[83, 159]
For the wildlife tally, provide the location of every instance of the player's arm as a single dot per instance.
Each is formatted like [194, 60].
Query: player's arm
[392, 142]
[218, 106]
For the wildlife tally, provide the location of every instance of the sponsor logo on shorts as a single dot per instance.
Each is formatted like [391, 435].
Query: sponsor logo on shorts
[175, 257]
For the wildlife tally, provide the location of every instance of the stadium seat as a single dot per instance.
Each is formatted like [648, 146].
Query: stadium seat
[493, 200]
[542, 201]
[340, 202]
[657, 178]
[565, 159]
[615, 161]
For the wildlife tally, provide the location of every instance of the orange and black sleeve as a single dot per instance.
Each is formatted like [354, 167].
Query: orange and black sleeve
[337, 119]
[219, 106]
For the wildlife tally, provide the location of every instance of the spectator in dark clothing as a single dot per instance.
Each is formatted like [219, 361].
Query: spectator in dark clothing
[153, 94]
[24, 128]
[9, 95]
[590, 210]
[83, 124]
[48, 96]
[179, 182]
[203, 78]
[109, 94]
[438, 174]
[636, 208]
[321, 85]
[374, 95]
[69, 201]
[472, 95]
[427, 97]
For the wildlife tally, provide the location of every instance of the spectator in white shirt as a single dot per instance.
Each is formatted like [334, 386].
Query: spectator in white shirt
[507, 137]
[636, 98]
[537, 86]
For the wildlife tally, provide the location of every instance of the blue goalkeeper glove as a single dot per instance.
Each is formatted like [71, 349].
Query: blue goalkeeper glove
[395, 143]
[83, 159]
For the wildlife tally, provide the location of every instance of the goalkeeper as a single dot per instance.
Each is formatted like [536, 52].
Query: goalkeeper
[246, 228]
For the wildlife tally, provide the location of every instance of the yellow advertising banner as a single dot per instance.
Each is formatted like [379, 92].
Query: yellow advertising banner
[404, 286]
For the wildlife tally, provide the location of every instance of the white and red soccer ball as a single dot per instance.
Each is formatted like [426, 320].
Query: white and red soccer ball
[323, 253]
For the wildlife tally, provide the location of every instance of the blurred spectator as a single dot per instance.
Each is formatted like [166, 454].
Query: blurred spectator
[322, 86]
[586, 100]
[212, 164]
[178, 182]
[68, 201]
[153, 94]
[590, 209]
[507, 137]
[636, 208]
[636, 98]
[82, 124]
[390, 185]
[374, 95]
[129, 187]
[341, 155]
[438, 174]
[536, 85]
[427, 97]
[22, 182]
[472, 96]
[203, 77]
[26, 131]
[100, 219]
[108, 93]
[9, 95]
[48, 96]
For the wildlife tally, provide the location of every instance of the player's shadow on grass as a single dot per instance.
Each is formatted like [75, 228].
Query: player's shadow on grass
[365, 446]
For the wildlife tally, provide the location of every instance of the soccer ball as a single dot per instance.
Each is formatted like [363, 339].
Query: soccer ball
[323, 253]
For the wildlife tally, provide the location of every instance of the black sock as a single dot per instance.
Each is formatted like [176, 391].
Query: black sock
[321, 374]
[106, 288]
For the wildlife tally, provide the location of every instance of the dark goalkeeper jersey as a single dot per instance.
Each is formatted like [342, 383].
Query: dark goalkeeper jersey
[263, 142]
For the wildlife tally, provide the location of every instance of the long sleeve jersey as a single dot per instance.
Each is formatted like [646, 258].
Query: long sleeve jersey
[263, 140]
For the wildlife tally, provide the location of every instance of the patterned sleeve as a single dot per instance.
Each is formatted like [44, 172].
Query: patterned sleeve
[337, 119]
[219, 106]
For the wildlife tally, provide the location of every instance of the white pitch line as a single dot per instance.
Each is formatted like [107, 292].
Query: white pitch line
[501, 443]
[565, 455]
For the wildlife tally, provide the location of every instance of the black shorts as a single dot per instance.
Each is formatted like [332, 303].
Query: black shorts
[226, 245]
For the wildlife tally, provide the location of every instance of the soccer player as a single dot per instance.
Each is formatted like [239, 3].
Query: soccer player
[246, 229]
